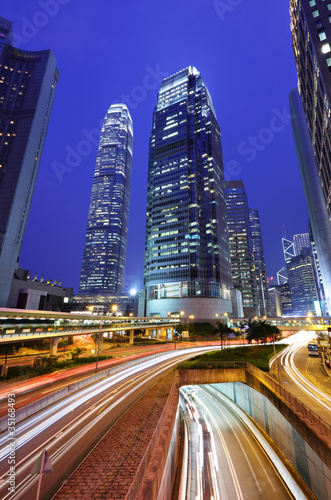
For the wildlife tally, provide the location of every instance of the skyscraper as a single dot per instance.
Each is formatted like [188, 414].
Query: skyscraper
[187, 259]
[299, 282]
[103, 267]
[302, 285]
[310, 106]
[260, 270]
[241, 247]
[301, 242]
[28, 82]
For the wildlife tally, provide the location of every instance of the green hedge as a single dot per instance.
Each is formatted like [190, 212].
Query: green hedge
[256, 355]
[28, 371]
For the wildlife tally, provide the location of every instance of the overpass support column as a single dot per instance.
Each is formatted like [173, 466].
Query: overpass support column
[146, 333]
[171, 334]
[163, 333]
[53, 347]
[131, 337]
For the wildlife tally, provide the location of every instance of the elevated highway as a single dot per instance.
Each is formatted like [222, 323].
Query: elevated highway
[21, 325]
[298, 324]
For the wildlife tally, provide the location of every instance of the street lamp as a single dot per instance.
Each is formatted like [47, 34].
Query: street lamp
[98, 338]
[188, 322]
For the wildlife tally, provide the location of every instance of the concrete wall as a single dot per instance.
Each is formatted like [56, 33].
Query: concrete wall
[300, 441]
[315, 473]
[200, 308]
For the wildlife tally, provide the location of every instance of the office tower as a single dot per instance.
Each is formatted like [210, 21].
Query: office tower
[301, 242]
[282, 276]
[103, 267]
[28, 82]
[311, 112]
[285, 299]
[187, 259]
[260, 270]
[274, 301]
[241, 247]
[288, 249]
[317, 208]
[302, 285]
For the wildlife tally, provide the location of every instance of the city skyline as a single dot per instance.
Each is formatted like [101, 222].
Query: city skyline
[256, 131]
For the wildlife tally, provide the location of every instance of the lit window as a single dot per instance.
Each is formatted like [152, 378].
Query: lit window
[328, 61]
[312, 3]
[326, 48]
[322, 36]
[316, 13]
[329, 6]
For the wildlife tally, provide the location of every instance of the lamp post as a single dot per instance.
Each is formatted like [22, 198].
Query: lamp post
[98, 337]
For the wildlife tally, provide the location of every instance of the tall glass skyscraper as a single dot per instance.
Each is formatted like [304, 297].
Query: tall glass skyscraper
[28, 82]
[103, 268]
[241, 246]
[260, 270]
[187, 258]
[310, 106]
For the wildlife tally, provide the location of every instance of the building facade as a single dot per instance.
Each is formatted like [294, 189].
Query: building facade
[103, 267]
[244, 274]
[301, 242]
[320, 227]
[260, 270]
[28, 83]
[302, 284]
[311, 113]
[187, 259]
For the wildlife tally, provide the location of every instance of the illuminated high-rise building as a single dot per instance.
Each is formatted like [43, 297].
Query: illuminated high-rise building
[260, 270]
[242, 248]
[103, 268]
[310, 106]
[28, 81]
[301, 242]
[187, 258]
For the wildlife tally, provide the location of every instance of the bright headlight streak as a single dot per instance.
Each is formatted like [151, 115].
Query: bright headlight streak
[200, 445]
[206, 395]
[227, 454]
[199, 479]
[213, 476]
[301, 381]
[64, 449]
[81, 397]
[213, 451]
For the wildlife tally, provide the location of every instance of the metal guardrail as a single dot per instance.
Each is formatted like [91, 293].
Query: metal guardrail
[216, 365]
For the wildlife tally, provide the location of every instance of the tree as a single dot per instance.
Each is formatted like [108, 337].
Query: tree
[223, 331]
[202, 329]
[75, 353]
[261, 331]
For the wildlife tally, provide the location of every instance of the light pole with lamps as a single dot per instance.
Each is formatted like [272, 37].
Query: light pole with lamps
[98, 338]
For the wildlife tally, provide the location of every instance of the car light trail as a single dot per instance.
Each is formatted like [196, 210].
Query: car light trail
[287, 360]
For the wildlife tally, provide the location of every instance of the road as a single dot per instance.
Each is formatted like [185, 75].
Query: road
[29, 390]
[70, 428]
[304, 376]
[224, 461]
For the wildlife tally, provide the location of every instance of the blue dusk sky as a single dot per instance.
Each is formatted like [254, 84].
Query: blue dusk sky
[110, 51]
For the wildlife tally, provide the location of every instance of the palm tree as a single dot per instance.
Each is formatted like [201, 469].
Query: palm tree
[223, 331]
